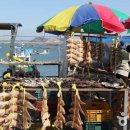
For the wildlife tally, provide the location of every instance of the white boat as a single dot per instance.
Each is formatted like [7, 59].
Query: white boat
[45, 52]
[24, 54]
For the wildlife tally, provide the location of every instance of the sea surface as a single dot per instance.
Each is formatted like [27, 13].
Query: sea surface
[54, 54]
[45, 70]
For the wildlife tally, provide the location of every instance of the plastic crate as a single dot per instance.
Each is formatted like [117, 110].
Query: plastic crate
[97, 112]
[97, 126]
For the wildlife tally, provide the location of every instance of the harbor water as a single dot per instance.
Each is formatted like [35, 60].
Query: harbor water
[53, 54]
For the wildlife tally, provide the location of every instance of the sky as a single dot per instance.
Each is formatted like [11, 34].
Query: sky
[31, 13]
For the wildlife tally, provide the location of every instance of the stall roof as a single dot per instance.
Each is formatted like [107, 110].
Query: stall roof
[8, 26]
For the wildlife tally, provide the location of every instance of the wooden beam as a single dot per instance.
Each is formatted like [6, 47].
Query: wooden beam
[31, 63]
[80, 89]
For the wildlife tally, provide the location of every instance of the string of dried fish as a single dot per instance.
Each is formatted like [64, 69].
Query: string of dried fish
[13, 108]
[74, 117]
[44, 113]
[76, 50]
[60, 119]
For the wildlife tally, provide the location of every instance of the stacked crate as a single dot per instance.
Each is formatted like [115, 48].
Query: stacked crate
[98, 116]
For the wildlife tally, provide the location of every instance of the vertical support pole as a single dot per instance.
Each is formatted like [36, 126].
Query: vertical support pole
[59, 70]
[12, 42]
[13, 36]
[110, 98]
[126, 94]
[116, 44]
[63, 59]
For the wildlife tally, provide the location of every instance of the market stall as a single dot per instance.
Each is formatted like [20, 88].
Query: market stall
[89, 60]
[89, 95]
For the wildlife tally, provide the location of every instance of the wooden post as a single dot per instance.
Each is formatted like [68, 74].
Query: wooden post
[126, 94]
[14, 29]
[63, 59]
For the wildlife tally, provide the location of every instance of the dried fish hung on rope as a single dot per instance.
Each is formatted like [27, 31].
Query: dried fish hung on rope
[60, 119]
[88, 53]
[74, 118]
[115, 54]
[44, 112]
[76, 50]
[16, 114]
[97, 50]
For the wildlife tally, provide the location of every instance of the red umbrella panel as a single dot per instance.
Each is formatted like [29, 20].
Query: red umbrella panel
[127, 23]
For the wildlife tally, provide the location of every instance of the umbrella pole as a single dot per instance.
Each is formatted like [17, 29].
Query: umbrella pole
[89, 53]
[116, 44]
[89, 75]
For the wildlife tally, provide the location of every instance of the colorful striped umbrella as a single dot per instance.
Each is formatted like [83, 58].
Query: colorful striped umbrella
[92, 18]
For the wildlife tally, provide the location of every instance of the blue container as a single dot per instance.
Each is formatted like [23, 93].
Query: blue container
[97, 125]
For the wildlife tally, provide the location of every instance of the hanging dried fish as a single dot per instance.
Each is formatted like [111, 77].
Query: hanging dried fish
[88, 55]
[12, 117]
[4, 95]
[13, 108]
[4, 104]
[17, 94]
[44, 112]
[18, 108]
[74, 117]
[97, 50]
[115, 53]
[2, 119]
[76, 50]
[60, 119]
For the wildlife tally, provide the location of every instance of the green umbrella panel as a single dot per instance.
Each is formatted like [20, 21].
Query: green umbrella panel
[40, 27]
[122, 16]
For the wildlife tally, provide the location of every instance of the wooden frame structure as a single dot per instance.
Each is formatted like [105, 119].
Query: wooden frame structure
[108, 90]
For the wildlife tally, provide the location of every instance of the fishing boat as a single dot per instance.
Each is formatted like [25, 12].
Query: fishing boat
[45, 52]
[24, 53]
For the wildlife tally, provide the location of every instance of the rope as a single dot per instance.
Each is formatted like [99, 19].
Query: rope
[75, 88]
[59, 91]
[13, 89]
[4, 84]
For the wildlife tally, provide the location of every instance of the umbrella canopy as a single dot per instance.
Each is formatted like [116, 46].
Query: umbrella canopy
[127, 23]
[122, 16]
[92, 18]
